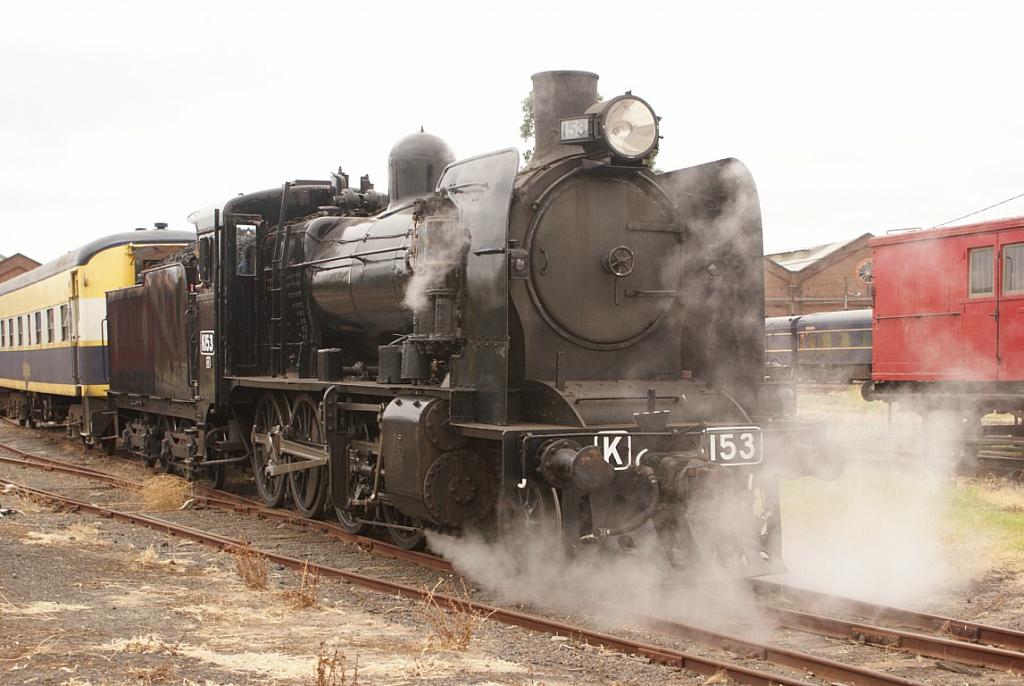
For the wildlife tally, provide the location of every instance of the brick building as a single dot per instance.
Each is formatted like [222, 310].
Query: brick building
[14, 265]
[824, 278]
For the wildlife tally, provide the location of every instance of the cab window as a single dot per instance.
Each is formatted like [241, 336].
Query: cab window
[981, 273]
[206, 259]
[245, 249]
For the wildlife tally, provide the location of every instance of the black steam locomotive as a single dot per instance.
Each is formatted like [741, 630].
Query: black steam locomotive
[576, 345]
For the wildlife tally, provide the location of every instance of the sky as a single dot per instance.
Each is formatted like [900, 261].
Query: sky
[852, 117]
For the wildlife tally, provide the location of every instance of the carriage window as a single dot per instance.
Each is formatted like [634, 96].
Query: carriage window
[3, 333]
[10, 332]
[1013, 268]
[65, 323]
[49, 325]
[981, 272]
[39, 328]
[21, 331]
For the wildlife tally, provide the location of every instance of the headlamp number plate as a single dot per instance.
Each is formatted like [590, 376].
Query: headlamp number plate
[575, 129]
[733, 445]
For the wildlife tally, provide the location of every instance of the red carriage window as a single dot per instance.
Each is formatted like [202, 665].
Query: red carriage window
[981, 272]
[1013, 268]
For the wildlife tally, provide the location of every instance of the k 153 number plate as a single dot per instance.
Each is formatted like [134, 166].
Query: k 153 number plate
[734, 445]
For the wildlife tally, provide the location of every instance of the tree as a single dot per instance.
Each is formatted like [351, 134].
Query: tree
[526, 128]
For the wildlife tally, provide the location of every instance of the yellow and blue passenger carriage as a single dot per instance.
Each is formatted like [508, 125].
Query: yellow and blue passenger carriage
[53, 356]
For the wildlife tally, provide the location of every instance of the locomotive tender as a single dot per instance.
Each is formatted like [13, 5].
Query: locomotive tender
[574, 346]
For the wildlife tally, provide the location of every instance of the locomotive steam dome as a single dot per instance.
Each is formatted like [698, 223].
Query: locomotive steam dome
[415, 164]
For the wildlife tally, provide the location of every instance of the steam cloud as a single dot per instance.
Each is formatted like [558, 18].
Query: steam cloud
[439, 247]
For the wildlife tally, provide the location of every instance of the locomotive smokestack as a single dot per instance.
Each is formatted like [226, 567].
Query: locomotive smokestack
[557, 95]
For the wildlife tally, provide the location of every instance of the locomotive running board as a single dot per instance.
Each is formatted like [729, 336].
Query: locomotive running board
[311, 455]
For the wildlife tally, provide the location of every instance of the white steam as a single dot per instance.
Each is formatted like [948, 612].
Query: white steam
[879, 532]
[607, 585]
[439, 246]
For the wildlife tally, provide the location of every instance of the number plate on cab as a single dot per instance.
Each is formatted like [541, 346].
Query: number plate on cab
[733, 445]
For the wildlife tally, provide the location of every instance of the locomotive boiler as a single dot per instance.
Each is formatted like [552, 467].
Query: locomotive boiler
[571, 347]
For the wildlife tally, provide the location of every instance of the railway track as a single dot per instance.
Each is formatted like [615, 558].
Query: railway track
[656, 653]
[965, 642]
[989, 455]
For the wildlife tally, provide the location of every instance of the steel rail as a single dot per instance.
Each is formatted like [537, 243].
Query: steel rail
[229, 501]
[921, 644]
[819, 666]
[659, 654]
[957, 628]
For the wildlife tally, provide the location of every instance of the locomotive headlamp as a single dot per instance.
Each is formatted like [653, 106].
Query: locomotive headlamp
[625, 125]
[630, 127]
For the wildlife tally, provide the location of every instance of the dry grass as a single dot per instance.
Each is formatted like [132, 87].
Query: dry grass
[719, 677]
[453, 621]
[331, 669]
[30, 502]
[150, 559]
[6, 605]
[165, 492]
[147, 677]
[144, 645]
[76, 535]
[305, 596]
[44, 647]
[1000, 493]
[251, 567]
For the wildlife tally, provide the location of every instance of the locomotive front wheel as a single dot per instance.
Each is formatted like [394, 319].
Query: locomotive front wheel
[308, 486]
[269, 413]
[534, 510]
[350, 523]
[404, 538]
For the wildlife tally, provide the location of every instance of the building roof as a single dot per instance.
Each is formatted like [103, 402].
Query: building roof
[798, 260]
[18, 254]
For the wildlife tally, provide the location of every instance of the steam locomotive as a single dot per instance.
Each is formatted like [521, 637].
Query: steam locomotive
[574, 347]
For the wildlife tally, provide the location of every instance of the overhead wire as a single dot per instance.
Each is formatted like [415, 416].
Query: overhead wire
[971, 214]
